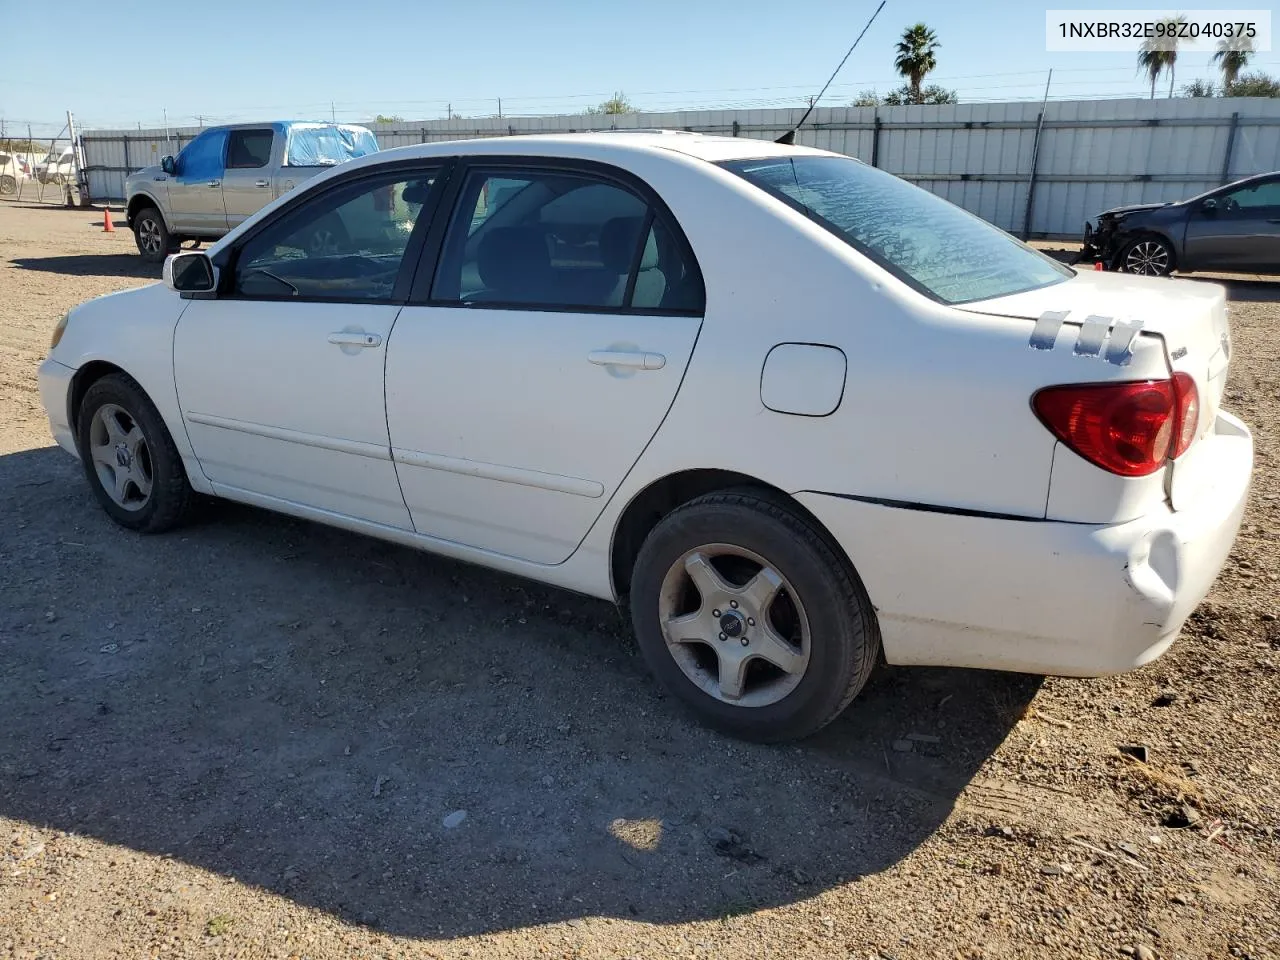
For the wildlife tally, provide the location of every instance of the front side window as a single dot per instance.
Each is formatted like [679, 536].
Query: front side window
[347, 246]
[248, 149]
[203, 157]
[568, 240]
[1266, 194]
[929, 243]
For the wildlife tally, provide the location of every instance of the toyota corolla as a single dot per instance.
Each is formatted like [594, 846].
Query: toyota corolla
[795, 414]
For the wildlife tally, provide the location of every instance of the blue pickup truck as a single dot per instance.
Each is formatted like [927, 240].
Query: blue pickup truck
[227, 174]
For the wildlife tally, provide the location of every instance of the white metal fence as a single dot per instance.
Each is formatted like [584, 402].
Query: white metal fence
[1033, 176]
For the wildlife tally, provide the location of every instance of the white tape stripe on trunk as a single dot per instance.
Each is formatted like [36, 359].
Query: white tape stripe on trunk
[1119, 350]
[1045, 333]
[1093, 333]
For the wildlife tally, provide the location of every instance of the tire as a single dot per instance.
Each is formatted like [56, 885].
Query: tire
[821, 608]
[156, 496]
[1147, 255]
[329, 236]
[8, 185]
[152, 236]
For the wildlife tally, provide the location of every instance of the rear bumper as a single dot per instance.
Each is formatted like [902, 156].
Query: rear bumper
[1048, 597]
[55, 388]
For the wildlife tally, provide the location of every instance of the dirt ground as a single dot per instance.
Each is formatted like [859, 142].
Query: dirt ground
[254, 738]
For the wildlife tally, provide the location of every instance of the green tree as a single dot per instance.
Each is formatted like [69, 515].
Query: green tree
[1253, 85]
[866, 98]
[1232, 61]
[930, 94]
[383, 118]
[1199, 88]
[1159, 54]
[916, 57]
[615, 105]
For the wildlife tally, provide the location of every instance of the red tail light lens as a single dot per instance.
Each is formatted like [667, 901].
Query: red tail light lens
[1184, 387]
[1126, 428]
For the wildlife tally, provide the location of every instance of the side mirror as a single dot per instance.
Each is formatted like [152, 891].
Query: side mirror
[169, 166]
[1209, 207]
[190, 273]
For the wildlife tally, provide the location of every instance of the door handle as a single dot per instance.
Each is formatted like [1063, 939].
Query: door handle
[215, 183]
[348, 339]
[1274, 220]
[627, 358]
[263, 183]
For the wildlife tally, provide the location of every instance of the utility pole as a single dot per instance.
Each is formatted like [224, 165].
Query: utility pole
[499, 108]
[449, 111]
[333, 114]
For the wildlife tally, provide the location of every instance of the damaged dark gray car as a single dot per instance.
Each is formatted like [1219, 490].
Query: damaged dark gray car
[1235, 228]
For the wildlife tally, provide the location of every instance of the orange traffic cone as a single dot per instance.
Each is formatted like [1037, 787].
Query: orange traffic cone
[1097, 264]
[106, 221]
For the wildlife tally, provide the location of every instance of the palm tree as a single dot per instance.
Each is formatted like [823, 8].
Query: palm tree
[1159, 54]
[916, 56]
[1232, 57]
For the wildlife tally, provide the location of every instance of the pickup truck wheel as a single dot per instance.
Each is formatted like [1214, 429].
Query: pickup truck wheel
[129, 457]
[152, 236]
[328, 237]
[8, 185]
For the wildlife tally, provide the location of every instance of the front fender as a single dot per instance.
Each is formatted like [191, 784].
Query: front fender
[145, 198]
[132, 330]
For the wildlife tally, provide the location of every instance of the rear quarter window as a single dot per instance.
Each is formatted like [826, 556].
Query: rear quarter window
[931, 244]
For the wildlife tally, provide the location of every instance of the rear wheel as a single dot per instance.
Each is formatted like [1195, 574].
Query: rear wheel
[152, 236]
[8, 185]
[1149, 256]
[744, 611]
[130, 459]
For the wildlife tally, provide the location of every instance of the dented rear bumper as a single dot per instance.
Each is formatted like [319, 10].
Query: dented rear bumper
[1038, 596]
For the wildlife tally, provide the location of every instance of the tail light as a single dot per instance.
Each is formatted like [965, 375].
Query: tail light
[1130, 429]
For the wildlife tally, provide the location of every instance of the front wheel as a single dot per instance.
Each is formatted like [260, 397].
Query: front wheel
[1148, 256]
[744, 611]
[152, 236]
[8, 185]
[130, 459]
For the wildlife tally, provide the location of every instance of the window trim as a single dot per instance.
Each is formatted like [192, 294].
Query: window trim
[228, 259]
[433, 252]
[895, 271]
[226, 163]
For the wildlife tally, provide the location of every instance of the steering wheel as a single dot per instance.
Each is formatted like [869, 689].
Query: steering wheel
[1230, 205]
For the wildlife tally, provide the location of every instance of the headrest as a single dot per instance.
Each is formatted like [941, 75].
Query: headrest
[511, 259]
[618, 238]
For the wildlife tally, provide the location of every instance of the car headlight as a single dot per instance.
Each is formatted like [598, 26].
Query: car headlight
[59, 330]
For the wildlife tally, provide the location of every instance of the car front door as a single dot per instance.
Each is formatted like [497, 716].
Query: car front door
[246, 183]
[195, 189]
[1237, 229]
[526, 379]
[280, 378]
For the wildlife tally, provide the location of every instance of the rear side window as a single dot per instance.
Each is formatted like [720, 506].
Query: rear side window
[248, 149]
[931, 244]
[549, 239]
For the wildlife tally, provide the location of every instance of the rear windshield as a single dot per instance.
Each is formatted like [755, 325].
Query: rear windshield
[931, 244]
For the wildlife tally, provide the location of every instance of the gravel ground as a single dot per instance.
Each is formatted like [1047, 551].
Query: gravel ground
[263, 738]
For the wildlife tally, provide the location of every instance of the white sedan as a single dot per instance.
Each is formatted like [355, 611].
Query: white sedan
[794, 412]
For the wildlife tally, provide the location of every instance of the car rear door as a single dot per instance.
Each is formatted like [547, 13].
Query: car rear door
[531, 369]
[1239, 230]
[280, 378]
[246, 182]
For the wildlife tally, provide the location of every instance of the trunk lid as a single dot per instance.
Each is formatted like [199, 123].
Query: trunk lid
[1190, 316]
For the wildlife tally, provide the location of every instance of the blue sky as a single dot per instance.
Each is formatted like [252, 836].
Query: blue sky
[251, 60]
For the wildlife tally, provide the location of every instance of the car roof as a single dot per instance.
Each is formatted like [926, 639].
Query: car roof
[601, 145]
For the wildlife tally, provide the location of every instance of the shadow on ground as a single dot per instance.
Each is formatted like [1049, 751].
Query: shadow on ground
[92, 265]
[302, 709]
